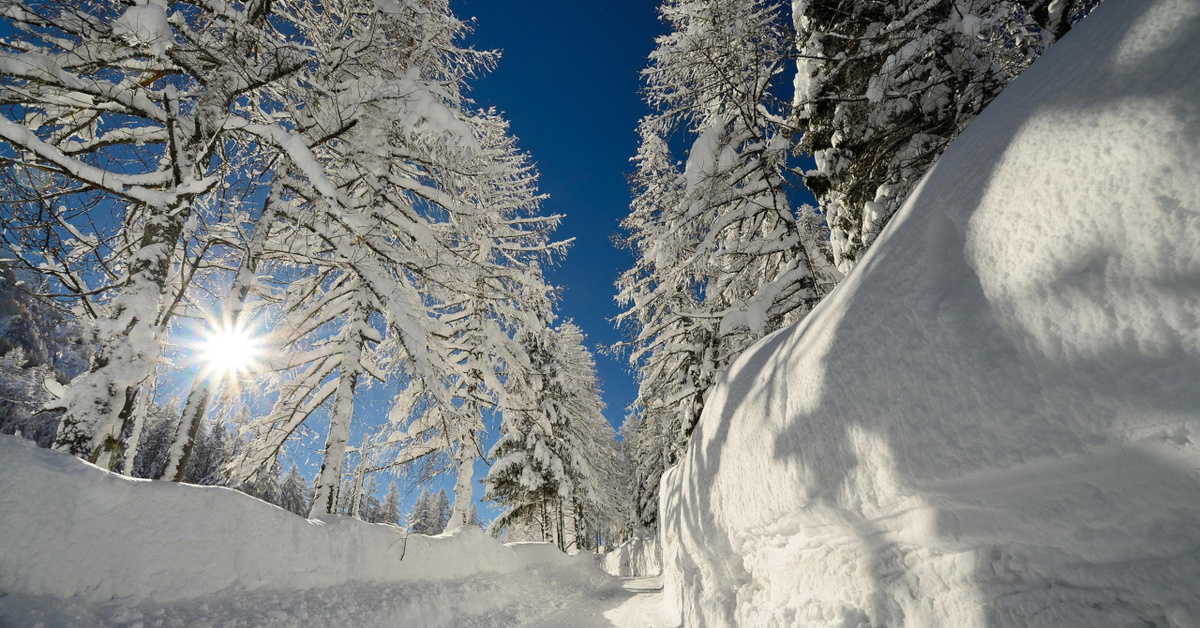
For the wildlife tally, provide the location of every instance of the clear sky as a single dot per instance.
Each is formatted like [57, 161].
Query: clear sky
[568, 82]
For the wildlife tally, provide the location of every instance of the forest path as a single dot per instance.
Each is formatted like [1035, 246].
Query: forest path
[627, 603]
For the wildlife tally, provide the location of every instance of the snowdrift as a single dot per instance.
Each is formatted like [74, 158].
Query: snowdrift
[994, 420]
[71, 530]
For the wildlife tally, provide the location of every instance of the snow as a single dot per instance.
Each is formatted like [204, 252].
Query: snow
[630, 602]
[84, 547]
[639, 556]
[994, 420]
[146, 24]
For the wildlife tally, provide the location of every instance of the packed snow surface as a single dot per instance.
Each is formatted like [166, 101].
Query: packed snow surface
[630, 603]
[83, 547]
[994, 420]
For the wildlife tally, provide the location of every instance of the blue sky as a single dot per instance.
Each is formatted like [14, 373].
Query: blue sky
[568, 82]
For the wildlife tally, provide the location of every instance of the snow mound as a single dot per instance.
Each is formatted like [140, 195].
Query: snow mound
[994, 420]
[72, 530]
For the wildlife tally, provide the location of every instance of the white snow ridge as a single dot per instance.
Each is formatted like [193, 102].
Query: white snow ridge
[82, 547]
[994, 421]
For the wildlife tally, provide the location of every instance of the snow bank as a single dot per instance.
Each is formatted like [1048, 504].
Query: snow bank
[639, 556]
[994, 420]
[71, 529]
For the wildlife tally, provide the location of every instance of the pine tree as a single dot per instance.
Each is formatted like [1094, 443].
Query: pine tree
[416, 518]
[294, 491]
[371, 508]
[265, 486]
[528, 471]
[389, 512]
[154, 442]
[440, 512]
[429, 513]
[554, 458]
[41, 348]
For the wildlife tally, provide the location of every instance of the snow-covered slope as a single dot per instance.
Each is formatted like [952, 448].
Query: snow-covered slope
[995, 421]
[80, 546]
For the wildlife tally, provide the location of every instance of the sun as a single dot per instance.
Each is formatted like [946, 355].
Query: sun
[230, 350]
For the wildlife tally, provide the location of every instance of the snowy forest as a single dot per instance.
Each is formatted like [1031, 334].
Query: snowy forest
[905, 289]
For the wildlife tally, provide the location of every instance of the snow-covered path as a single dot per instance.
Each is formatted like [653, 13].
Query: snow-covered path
[626, 603]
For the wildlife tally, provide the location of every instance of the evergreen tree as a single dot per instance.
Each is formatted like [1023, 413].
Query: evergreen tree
[371, 508]
[154, 443]
[41, 348]
[415, 523]
[426, 516]
[294, 491]
[212, 453]
[389, 511]
[440, 512]
[264, 486]
[556, 459]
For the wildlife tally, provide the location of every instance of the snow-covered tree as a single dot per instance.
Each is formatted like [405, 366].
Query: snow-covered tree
[496, 290]
[529, 472]
[419, 519]
[294, 491]
[434, 222]
[442, 509]
[265, 485]
[720, 259]
[129, 139]
[315, 169]
[210, 455]
[41, 348]
[555, 459]
[430, 513]
[882, 87]
[389, 511]
[155, 440]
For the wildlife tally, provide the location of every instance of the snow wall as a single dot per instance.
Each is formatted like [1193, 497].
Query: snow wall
[994, 420]
[637, 557]
[69, 528]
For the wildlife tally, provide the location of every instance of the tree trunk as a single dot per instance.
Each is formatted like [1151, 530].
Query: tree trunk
[359, 481]
[462, 487]
[329, 479]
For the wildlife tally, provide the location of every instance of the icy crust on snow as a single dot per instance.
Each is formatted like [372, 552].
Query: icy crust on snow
[994, 420]
[70, 529]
